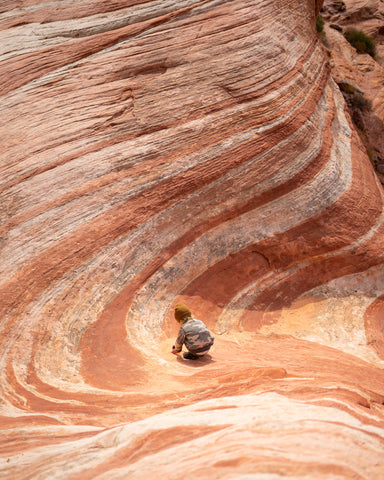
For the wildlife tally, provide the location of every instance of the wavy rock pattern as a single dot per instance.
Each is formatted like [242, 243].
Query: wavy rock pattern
[200, 151]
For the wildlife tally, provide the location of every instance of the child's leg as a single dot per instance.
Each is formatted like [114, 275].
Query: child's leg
[191, 356]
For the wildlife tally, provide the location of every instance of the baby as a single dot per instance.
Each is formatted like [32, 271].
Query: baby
[193, 334]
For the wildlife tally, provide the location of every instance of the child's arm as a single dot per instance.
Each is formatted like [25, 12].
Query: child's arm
[179, 342]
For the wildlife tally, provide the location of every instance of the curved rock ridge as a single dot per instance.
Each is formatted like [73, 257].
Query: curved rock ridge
[157, 152]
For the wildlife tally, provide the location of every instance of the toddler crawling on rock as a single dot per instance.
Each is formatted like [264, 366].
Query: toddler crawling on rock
[193, 334]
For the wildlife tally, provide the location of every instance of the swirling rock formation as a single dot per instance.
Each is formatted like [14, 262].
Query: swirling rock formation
[360, 75]
[199, 151]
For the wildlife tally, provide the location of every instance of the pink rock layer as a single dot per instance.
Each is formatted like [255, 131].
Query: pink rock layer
[156, 152]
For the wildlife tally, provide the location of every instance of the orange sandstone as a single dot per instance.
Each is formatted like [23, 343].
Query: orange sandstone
[157, 152]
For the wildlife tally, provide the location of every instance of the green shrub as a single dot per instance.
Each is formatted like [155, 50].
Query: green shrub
[346, 87]
[362, 42]
[319, 23]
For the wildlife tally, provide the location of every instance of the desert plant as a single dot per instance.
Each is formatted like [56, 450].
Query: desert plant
[371, 157]
[319, 24]
[358, 105]
[358, 101]
[362, 42]
[347, 88]
[354, 96]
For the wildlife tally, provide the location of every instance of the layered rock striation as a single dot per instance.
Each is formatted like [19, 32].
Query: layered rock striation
[360, 76]
[198, 151]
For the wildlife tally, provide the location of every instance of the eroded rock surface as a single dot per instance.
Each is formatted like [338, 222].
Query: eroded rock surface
[360, 75]
[199, 151]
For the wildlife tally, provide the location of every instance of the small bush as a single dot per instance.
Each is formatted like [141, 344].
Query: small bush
[358, 105]
[358, 101]
[319, 23]
[371, 157]
[346, 87]
[362, 42]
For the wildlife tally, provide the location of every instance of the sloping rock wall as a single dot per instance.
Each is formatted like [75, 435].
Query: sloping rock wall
[198, 151]
[361, 74]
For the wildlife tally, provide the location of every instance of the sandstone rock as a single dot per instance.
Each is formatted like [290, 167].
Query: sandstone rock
[196, 151]
[366, 76]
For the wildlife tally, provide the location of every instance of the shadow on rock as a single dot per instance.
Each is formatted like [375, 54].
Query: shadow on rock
[205, 360]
